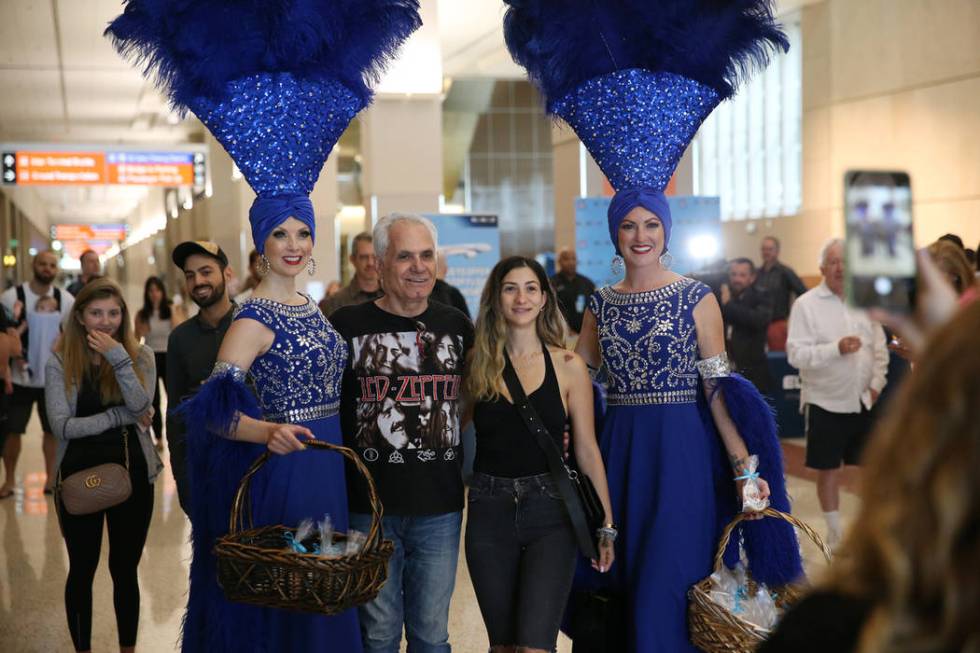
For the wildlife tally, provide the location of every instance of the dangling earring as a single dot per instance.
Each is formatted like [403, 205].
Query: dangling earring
[311, 266]
[265, 267]
[618, 265]
[665, 260]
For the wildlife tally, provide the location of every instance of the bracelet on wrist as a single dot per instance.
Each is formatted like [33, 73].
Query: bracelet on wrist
[607, 533]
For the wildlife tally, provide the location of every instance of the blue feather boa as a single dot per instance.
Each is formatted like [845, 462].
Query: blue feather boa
[564, 43]
[771, 546]
[215, 469]
[196, 46]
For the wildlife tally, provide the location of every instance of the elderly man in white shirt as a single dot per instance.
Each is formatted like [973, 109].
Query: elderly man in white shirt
[843, 360]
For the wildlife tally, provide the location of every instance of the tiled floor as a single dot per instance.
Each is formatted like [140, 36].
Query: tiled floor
[33, 566]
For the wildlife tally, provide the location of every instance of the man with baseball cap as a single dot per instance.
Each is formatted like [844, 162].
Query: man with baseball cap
[193, 346]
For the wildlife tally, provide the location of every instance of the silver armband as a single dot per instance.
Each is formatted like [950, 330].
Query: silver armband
[714, 367]
[222, 367]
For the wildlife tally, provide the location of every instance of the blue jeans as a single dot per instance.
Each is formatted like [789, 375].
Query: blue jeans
[421, 578]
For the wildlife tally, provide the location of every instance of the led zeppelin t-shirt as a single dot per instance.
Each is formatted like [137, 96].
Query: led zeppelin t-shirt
[400, 406]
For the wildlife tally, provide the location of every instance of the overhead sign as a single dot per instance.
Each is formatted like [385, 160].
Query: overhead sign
[109, 232]
[53, 168]
[93, 168]
[75, 248]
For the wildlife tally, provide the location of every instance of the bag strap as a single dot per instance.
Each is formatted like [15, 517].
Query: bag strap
[559, 471]
[25, 337]
[125, 432]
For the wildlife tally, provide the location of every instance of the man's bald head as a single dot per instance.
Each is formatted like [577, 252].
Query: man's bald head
[567, 261]
[45, 267]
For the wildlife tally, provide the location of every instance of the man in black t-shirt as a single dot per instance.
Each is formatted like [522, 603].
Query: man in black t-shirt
[400, 407]
[192, 347]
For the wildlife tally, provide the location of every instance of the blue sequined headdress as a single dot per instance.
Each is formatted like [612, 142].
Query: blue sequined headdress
[276, 81]
[636, 78]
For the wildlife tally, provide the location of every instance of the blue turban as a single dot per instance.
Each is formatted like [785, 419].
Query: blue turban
[267, 213]
[628, 199]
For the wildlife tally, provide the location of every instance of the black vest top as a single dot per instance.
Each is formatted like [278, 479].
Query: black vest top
[504, 446]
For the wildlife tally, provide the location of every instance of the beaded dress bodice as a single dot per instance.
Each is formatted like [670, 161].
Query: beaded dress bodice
[298, 379]
[649, 343]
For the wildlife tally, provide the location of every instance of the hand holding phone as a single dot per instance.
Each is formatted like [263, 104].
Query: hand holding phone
[879, 252]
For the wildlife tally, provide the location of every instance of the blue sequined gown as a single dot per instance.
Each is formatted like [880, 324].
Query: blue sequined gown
[297, 381]
[658, 449]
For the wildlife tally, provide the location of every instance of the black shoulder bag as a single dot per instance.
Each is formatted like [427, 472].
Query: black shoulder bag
[577, 492]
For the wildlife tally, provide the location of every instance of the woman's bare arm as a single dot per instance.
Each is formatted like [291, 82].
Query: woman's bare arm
[588, 341]
[245, 341]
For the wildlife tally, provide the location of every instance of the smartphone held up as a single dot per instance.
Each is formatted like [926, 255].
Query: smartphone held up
[880, 250]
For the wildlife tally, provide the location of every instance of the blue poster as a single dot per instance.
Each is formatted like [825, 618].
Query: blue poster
[695, 238]
[471, 246]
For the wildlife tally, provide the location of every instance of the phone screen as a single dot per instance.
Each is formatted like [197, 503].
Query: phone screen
[880, 251]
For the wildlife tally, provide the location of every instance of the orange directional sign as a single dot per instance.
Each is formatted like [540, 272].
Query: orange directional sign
[130, 168]
[60, 168]
[111, 232]
[151, 168]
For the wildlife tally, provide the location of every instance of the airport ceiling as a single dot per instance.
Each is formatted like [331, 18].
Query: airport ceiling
[61, 82]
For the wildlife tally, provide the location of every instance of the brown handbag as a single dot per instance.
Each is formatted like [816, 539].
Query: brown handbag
[97, 488]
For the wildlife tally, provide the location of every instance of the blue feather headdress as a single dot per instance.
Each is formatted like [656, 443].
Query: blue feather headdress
[636, 78]
[276, 81]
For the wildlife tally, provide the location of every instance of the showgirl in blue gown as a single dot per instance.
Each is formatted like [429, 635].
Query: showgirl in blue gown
[659, 454]
[635, 80]
[276, 83]
[297, 381]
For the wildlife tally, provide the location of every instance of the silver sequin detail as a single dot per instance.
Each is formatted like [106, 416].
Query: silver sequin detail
[299, 377]
[221, 367]
[647, 398]
[649, 343]
[305, 414]
[715, 367]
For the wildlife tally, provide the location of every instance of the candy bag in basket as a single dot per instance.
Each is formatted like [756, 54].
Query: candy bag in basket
[730, 589]
[752, 500]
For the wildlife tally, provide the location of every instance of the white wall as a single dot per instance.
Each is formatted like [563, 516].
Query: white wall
[887, 84]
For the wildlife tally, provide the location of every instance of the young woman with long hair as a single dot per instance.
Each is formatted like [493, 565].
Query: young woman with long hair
[520, 545]
[154, 322]
[906, 577]
[98, 391]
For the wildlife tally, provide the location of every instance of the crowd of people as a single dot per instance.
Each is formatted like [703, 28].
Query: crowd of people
[391, 367]
[97, 392]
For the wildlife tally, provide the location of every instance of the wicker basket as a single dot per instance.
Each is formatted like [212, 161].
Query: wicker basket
[255, 566]
[716, 630]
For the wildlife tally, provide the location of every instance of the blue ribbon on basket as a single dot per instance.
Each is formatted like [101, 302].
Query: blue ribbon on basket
[299, 547]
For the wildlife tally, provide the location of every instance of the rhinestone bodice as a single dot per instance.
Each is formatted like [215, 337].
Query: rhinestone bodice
[298, 379]
[649, 342]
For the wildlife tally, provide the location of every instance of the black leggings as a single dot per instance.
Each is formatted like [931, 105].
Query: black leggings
[159, 385]
[128, 524]
[521, 552]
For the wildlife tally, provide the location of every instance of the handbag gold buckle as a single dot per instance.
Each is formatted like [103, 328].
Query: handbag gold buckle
[93, 481]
